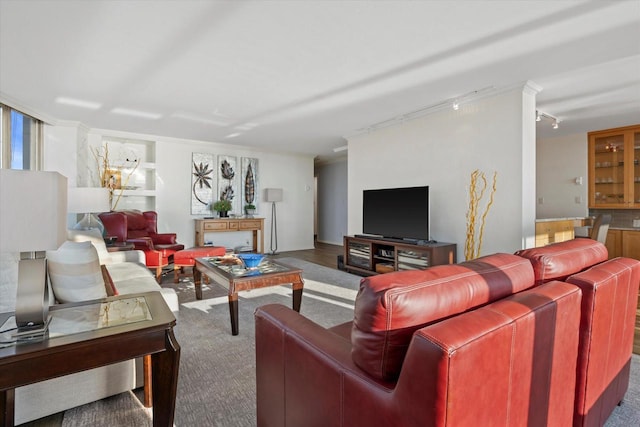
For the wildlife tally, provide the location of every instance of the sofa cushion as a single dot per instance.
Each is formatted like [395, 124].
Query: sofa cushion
[558, 261]
[74, 272]
[389, 308]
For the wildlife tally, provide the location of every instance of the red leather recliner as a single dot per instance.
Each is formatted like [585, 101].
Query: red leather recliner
[140, 228]
[609, 299]
[419, 351]
[454, 345]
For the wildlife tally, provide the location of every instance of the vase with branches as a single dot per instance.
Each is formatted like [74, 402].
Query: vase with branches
[476, 219]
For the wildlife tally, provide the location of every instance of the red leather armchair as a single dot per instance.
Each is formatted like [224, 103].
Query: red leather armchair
[141, 229]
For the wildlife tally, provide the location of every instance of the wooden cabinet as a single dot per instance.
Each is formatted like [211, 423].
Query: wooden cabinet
[630, 248]
[614, 168]
[221, 225]
[631, 244]
[554, 231]
[614, 243]
[374, 256]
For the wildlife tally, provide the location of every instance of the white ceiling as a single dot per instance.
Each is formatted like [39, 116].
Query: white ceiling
[301, 75]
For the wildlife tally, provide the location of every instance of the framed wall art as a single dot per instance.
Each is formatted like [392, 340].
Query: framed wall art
[249, 183]
[203, 183]
[228, 182]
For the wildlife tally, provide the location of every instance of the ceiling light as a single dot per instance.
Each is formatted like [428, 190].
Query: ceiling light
[78, 103]
[542, 115]
[136, 113]
[342, 148]
[199, 119]
[233, 135]
[456, 105]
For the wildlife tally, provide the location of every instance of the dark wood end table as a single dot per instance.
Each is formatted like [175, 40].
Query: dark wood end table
[92, 334]
[269, 273]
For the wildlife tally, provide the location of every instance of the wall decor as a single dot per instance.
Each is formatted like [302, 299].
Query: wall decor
[228, 182]
[249, 183]
[203, 183]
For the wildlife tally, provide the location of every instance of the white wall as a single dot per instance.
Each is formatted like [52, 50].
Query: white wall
[441, 150]
[291, 172]
[332, 201]
[564, 159]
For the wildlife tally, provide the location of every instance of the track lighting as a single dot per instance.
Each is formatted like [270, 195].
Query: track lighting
[456, 106]
[541, 115]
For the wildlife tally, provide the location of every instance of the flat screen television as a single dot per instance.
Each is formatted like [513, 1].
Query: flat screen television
[396, 213]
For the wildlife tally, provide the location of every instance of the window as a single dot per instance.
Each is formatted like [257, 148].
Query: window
[20, 140]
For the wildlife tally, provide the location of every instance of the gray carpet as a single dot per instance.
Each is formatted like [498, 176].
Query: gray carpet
[217, 370]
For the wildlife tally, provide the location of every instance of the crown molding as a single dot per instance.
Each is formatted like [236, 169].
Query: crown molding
[17, 105]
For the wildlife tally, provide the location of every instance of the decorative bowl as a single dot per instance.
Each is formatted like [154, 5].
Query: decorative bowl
[251, 260]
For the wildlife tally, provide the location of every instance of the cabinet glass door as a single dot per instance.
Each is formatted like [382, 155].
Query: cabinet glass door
[609, 170]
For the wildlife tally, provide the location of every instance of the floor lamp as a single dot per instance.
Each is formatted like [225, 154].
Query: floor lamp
[33, 219]
[273, 195]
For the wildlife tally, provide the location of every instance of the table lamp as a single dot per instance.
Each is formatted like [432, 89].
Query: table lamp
[88, 200]
[273, 195]
[33, 210]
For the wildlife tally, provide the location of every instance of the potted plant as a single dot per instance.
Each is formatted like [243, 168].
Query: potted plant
[250, 209]
[222, 207]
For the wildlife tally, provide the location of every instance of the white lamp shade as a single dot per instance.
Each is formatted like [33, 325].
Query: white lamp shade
[273, 194]
[33, 210]
[88, 200]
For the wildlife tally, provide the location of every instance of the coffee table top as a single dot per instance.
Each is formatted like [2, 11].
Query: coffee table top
[231, 271]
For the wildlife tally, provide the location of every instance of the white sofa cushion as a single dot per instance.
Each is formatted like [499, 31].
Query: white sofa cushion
[74, 271]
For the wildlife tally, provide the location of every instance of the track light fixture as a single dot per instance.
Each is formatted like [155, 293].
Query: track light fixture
[456, 105]
[541, 115]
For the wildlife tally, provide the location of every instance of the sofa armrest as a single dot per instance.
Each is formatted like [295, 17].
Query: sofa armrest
[142, 243]
[297, 362]
[126, 256]
[164, 238]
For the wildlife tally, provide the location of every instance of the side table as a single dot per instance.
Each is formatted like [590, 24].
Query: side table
[111, 330]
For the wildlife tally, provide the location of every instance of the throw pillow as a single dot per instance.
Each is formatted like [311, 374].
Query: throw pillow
[74, 272]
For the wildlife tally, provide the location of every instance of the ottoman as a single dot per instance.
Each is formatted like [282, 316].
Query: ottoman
[186, 257]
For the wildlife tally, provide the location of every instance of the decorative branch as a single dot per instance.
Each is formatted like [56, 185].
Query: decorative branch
[477, 191]
[105, 176]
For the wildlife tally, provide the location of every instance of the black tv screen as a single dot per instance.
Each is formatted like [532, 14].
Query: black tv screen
[401, 213]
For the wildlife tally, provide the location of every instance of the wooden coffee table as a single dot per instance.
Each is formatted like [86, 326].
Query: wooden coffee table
[235, 279]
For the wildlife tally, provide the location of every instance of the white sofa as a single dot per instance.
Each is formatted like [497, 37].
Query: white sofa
[129, 275]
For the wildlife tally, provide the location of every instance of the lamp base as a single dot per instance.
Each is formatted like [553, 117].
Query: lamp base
[88, 222]
[32, 297]
[24, 333]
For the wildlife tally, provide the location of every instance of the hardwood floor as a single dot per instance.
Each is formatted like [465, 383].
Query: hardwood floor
[323, 254]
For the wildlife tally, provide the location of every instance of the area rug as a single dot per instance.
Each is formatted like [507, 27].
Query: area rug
[217, 370]
[216, 385]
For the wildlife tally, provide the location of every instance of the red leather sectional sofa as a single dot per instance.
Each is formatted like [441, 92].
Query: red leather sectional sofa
[539, 338]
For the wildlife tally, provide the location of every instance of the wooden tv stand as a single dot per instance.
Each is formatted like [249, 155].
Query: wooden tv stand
[367, 256]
